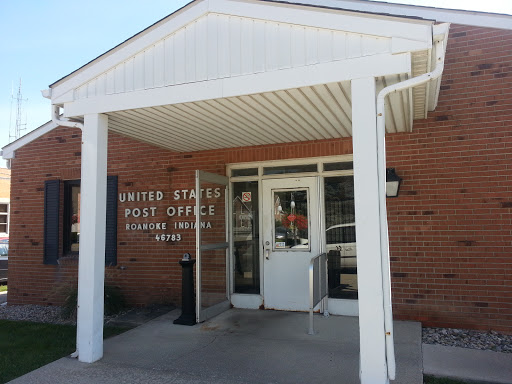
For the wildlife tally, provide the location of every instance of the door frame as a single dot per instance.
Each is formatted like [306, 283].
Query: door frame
[316, 246]
[207, 313]
[242, 300]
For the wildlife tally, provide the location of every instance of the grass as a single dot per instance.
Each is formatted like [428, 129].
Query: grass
[25, 346]
[3, 288]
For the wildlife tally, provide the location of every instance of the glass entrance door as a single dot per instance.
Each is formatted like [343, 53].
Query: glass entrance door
[212, 261]
[291, 237]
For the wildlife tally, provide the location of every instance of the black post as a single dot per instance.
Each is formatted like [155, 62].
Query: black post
[188, 302]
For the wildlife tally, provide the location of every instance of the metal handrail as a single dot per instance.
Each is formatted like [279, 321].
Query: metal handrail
[317, 285]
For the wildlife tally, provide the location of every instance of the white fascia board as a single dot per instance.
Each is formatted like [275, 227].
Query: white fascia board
[401, 45]
[8, 152]
[377, 65]
[138, 43]
[64, 98]
[377, 25]
[473, 18]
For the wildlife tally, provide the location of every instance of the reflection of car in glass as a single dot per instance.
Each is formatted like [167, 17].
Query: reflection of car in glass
[285, 237]
[341, 247]
[4, 252]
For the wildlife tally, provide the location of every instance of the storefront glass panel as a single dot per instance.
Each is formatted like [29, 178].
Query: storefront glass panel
[338, 166]
[246, 237]
[291, 229]
[244, 172]
[212, 258]
[341, 237]
[281, 170]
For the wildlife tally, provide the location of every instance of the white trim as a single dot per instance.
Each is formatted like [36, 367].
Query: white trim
[246, 301]
[8, 152]
[380, 25]
[343, 307]
[295, 161]
[335, 19]
[474, 18]
[376, 65]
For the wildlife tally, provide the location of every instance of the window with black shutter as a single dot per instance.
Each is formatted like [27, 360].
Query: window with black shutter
[51, 221]
[71, 220]
[111, 227]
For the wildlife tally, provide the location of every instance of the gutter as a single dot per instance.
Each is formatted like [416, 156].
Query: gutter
[439, 35]
[56, 117]
[64, 122]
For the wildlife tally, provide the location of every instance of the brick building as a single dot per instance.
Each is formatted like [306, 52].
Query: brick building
[280, 115]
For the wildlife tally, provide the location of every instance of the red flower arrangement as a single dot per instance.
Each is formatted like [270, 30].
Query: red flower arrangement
[300, 221]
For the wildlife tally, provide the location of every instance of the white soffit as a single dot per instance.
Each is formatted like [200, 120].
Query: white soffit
[302, 114]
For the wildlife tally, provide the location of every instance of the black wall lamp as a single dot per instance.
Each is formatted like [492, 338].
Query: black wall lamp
[392, 182]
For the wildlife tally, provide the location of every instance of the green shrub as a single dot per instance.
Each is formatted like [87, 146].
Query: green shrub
[114, 302]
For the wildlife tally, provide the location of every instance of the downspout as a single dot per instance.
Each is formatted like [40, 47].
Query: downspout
[439, 42]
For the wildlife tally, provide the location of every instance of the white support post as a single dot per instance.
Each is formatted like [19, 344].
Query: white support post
[91, 266]
[372, 359]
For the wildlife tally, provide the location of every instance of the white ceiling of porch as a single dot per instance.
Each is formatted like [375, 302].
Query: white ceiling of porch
[301, 114]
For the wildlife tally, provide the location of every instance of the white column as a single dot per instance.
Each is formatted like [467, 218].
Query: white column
[372, 369]
[91, 266]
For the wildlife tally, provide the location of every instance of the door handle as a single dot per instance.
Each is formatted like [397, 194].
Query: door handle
[267, 250]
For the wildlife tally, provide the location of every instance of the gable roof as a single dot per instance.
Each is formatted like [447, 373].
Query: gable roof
[411, 15]
[474, 18]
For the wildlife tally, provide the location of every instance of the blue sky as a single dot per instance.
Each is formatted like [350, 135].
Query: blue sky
[42, 41]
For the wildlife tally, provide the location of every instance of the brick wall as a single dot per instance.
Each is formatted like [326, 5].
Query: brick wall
[147, 270]
[450, 228]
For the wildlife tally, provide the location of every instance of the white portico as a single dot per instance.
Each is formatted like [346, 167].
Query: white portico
[235, 73]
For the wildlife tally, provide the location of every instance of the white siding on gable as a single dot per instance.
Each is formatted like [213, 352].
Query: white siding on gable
[217, 46]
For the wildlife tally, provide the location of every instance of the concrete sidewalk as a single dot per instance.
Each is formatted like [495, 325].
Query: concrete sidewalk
[238, 346]
[467, 364]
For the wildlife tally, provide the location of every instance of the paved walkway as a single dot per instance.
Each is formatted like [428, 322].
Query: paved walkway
[250, 346]
[239, 346]
[468, 364]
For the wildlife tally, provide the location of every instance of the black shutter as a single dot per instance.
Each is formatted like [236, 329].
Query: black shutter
[111, 227]
[51, 221]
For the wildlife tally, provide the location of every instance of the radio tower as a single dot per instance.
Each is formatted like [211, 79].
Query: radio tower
[15, 132]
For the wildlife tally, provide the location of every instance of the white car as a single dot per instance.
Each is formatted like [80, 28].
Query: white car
[341, 246]
[4, 257]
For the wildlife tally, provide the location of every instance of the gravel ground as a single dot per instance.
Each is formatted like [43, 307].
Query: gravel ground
[492, 341]
[38, 314]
